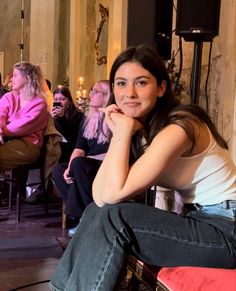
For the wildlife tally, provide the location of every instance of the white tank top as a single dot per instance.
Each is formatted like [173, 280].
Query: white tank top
[206, 178]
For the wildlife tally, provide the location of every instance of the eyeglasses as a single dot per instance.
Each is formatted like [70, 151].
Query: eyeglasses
[95, 91]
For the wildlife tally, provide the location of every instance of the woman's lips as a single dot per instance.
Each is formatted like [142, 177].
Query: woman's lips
[132, 104]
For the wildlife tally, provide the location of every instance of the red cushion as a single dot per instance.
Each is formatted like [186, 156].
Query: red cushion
[198, 279]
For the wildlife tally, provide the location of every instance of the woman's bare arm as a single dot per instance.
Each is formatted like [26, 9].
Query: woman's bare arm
[116, 181]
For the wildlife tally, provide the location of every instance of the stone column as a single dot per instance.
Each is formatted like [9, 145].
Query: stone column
[117, 29]
[42, 42]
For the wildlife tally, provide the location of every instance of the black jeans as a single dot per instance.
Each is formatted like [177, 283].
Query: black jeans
[105, 237]
[78, 194]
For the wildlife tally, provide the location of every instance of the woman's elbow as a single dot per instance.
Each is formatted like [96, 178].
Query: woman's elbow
[105, 198]
[98, 201]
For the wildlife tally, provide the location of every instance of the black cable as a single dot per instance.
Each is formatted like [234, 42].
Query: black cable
[207, 77]
[180, 63]
[29, 285]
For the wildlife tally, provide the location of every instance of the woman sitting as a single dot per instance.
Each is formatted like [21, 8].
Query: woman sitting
[23, 117]
[3, 89]
[74, 179]
[160, 143]
[67, 119]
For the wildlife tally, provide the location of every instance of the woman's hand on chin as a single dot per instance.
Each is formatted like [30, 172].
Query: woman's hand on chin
[120, 123]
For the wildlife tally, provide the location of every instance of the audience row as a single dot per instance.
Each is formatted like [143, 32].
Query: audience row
[24, 114]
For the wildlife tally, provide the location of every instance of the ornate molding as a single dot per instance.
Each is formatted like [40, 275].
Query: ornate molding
[104, 13]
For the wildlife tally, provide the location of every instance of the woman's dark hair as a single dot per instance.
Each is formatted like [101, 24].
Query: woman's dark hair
[149, 59]
[167, 108]
[48, 84]
[184, 114]
[65, 91]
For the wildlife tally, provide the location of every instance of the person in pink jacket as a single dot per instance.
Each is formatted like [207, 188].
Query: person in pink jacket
[23, 117]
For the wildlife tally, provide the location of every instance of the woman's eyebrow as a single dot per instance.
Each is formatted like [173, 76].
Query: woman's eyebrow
[120, 78]
[137, 78]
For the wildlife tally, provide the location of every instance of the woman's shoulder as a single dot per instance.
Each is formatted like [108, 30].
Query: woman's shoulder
[9, 97]
[189, 114]
[74, 115]
[10, 94]
[189, 110]
[38, 103]
[39, 99]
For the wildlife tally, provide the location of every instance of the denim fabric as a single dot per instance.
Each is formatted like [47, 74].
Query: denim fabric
[226, 209]
[98, 251]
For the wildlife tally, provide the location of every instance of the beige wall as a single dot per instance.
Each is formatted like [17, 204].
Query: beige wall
[49, 38]
[60, 36]
[84, 21]
[117, 29]
[223, 80]
[11, 32]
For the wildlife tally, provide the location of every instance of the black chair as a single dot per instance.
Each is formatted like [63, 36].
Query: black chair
[17, 180]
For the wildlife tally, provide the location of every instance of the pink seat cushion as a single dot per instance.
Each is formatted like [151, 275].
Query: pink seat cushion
[198, 279]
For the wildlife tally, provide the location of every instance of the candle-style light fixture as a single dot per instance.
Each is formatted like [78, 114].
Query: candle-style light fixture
[82, 100]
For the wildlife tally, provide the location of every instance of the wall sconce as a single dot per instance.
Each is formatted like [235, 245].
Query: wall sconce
[82, 101]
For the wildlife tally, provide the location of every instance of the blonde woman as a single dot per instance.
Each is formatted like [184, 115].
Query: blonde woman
[23, 117]
[74, 180]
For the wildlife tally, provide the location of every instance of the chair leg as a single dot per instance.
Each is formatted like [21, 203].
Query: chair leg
[45, 200]
[18, 200]
[44, 189]
[64, 217]
[18, 208]
[10, 197]
[10, 192]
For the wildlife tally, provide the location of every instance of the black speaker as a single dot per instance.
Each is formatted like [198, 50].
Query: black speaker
[164, 14]
[150, 22]
[198, 20]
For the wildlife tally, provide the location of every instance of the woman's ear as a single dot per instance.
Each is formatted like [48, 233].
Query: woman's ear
[161, 88]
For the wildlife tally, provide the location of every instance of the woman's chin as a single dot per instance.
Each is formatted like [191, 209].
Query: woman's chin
[132, 113]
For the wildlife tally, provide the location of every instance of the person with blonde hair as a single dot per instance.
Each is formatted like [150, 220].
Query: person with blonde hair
[23, 117]
[74, 179]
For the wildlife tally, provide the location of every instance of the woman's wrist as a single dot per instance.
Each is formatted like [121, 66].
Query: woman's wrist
[121, 138]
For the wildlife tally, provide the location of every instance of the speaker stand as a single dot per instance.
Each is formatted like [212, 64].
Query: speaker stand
[196, 72]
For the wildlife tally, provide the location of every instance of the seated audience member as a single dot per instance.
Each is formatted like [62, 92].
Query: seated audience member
[49, 96]
[48, 84]
[74, 180]
[23, 117]
[67, 119]
[3, 89]
[155, 141]
[7, 83]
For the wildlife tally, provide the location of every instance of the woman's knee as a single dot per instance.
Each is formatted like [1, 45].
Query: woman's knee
[77, 163]
[112, 214]
[57, 172]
